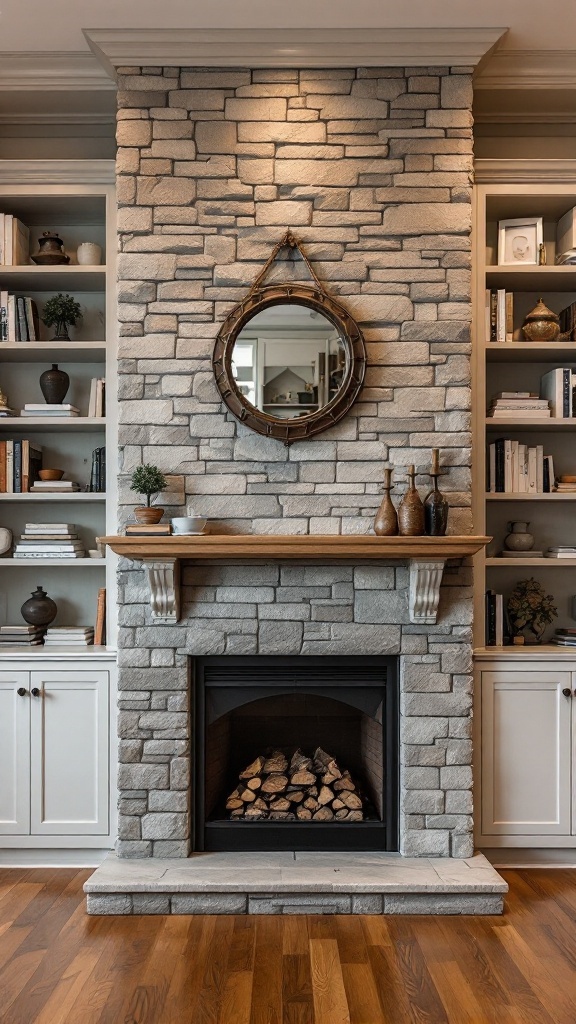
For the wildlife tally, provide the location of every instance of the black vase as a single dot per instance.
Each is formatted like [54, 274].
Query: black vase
[54, 385]
[39, 610]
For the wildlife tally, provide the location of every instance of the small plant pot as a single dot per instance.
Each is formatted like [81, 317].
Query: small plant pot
[148, 516]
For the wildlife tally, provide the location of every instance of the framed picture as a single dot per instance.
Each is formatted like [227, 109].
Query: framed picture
[519, 240]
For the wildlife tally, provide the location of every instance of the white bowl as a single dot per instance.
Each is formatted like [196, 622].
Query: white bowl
[188, 524]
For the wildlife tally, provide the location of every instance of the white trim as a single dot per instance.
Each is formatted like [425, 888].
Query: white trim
[291, 47]
[528, 69]
[526, 117]
[52, 71]
[520, 172]
[57, 858]
[57, 172]
[41, 117]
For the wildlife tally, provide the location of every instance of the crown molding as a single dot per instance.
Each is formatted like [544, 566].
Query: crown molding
[52, 71]
[526, 117]
[40, 117]
[57, 172]
[520, 172]
[292, 47]
[528, 69]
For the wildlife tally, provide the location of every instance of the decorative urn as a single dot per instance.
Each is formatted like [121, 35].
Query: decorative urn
[39, 610]
[541, 324]
[50, 250]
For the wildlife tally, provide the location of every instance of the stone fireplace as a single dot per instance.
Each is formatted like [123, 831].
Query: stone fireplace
[371, 169]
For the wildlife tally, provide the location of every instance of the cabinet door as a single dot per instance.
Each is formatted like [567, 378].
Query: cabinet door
[69, 753]
[526, 729]
[14, 753]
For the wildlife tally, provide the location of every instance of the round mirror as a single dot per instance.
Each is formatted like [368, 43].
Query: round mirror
[289, 361]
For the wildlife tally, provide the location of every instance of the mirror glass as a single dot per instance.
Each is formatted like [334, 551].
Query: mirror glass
[289, 361]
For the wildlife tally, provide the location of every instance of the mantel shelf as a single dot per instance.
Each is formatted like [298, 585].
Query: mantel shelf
[426, 556]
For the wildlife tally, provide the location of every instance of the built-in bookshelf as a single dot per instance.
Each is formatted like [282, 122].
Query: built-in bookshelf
[78, 213]
[517, 365]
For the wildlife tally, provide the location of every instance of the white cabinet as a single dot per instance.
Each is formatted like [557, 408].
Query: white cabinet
[55, 754]
[526, 742]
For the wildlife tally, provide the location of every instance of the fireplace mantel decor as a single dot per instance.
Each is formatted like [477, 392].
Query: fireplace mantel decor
[426, 557]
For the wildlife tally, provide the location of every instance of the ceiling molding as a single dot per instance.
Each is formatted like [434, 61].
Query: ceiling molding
[292, 47]
[526, 117]
[52, 72]
[57, 172]
[528, 69]
[519, 172]
[40, 117]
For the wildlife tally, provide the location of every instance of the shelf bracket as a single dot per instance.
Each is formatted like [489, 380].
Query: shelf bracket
[425, 580]
[164, 582]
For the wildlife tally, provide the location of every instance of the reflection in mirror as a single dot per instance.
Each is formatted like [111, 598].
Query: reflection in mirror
[289, 361]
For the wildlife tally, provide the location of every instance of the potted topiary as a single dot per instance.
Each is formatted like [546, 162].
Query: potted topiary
[150, 481]
[59, 312]
[529, 607]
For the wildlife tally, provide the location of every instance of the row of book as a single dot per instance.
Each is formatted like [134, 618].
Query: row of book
[568, 320]
[14, 241]
[499, 316]
[515, 468]
[20, 464]
[497, 627]
[564, 637]
[97, 400]
[98, 471]
[18, 318]
[519, 405]
[49, 540]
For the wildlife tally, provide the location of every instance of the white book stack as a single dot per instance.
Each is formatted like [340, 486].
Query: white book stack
[49, 540]
[54, 487]
[21, 636]
[97, 400]
[561, 551]
[43, 409]
[520, 405]
[69, 636]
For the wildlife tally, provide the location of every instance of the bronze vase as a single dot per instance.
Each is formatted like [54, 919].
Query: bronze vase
[411, 510]
[386, 521]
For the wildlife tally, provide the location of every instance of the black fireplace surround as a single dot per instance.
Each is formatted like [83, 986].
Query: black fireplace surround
[244, 706]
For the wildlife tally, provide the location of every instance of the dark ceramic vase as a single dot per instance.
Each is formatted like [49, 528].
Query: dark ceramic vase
[39, 610]
[54, 385]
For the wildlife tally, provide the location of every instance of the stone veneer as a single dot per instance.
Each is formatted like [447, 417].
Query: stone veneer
[371, 168]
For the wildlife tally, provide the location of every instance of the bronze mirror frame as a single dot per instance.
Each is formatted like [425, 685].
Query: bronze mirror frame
[260, 298]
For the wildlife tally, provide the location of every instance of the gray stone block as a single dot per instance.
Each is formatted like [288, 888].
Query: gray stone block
[150, 903]
[299, 903]
[108, 904]
[370, 903]
[443, 903]
[209, 903]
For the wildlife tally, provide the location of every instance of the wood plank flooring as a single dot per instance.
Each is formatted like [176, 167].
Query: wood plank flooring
[58, 966]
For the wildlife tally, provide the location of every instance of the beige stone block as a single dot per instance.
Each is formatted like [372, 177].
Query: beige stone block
[423, 83]
[165, 191]
[160, 324]
[280, 131]
[160, 345]
[144, 411]
[348, 107]
[370, 151]
[213, 167]
[172, 129]
[399, 194]
[197, 99]
[181, 290]
[135, 219]
[141, 98]
[139, 81]
[432, 179]
[456, 91]
[399, 376]
[125, 189]
[133, 133]
[163, 243]
[155, 166]
[261, 109]
[255, 172]
[143, 267]
[174, 149]
[215, 137]
[265, 193]
[393, 309]
[302, 115]
[449, 119]
[176, 384]
[266, 89]
[284, 213]
[216, 188]
[399, 353]
[321, 172]
[432, 218]
[217, 79]
[221, 248]
[175, 215]
[127, 161]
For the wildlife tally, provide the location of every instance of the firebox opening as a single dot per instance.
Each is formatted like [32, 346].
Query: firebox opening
[245, 707]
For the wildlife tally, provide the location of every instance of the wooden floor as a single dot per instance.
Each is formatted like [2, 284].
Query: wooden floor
[58, 966]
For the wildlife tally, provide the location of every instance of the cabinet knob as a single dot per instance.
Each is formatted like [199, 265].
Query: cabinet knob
[21, 691]
[567, 692]
[36, 692]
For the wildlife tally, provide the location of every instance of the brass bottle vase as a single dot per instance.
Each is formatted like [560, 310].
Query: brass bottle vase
[411, 510]
[386, 521]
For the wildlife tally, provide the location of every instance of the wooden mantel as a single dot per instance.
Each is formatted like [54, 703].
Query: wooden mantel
[426, 556]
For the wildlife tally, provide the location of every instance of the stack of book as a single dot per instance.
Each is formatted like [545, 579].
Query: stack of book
[55, 487]
[49, 540]
[18, 318]
[98, 471]
[564, 637]
[69, 636]
[496, 623]
[519, 405]
[499, 315]
[42, 409]
[14, 241]
[20, 464]
[154, 530]
[97, 400]
[515, 468]
[561, 551]
[568, 314]
[565, 484]
[22, 636]
[559, 386]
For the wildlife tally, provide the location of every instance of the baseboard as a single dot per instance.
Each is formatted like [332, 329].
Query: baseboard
[20, 858]
[542, 857]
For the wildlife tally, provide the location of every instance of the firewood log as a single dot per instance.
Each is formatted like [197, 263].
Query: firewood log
[321, 759]
[311, 803]
[323, 814]
[342, 814]
[274, 784]
[337, 804]
[295, 796]
[302, 778]
[303, 814]
[260, 803]
[276, 762]
[325, 796]
[280, 804]
[247, 796]
[237, 813]
[344, 783]
[282, 816]
[351, 800]
[233, 803]
[299, 761]
[253, 769]
[355, 816]
[255, 813]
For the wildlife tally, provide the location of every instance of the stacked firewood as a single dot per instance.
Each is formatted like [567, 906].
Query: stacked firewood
[302, 789]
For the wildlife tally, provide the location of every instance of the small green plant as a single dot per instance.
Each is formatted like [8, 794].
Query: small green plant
[529, 607]
[61, 311]
[148, 480]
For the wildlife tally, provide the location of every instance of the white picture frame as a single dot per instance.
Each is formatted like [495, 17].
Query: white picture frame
[519, 241]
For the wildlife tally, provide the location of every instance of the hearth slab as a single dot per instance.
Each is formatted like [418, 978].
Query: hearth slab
[296, 883]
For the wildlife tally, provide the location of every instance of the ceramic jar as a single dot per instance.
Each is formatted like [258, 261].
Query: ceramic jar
[50, 250]
[54, 385]
[541, 324]
[519, 539]
[89, 254]
[39, 610]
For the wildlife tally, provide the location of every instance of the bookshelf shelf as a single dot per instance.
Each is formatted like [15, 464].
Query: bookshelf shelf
[493, 424]
[531, 278]
[34, 563]
[48, 423]
[59, 278]
[511, 496]
[77, 496]
[546, 563]
[54, 351]
[535, 652]
[529, 352]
